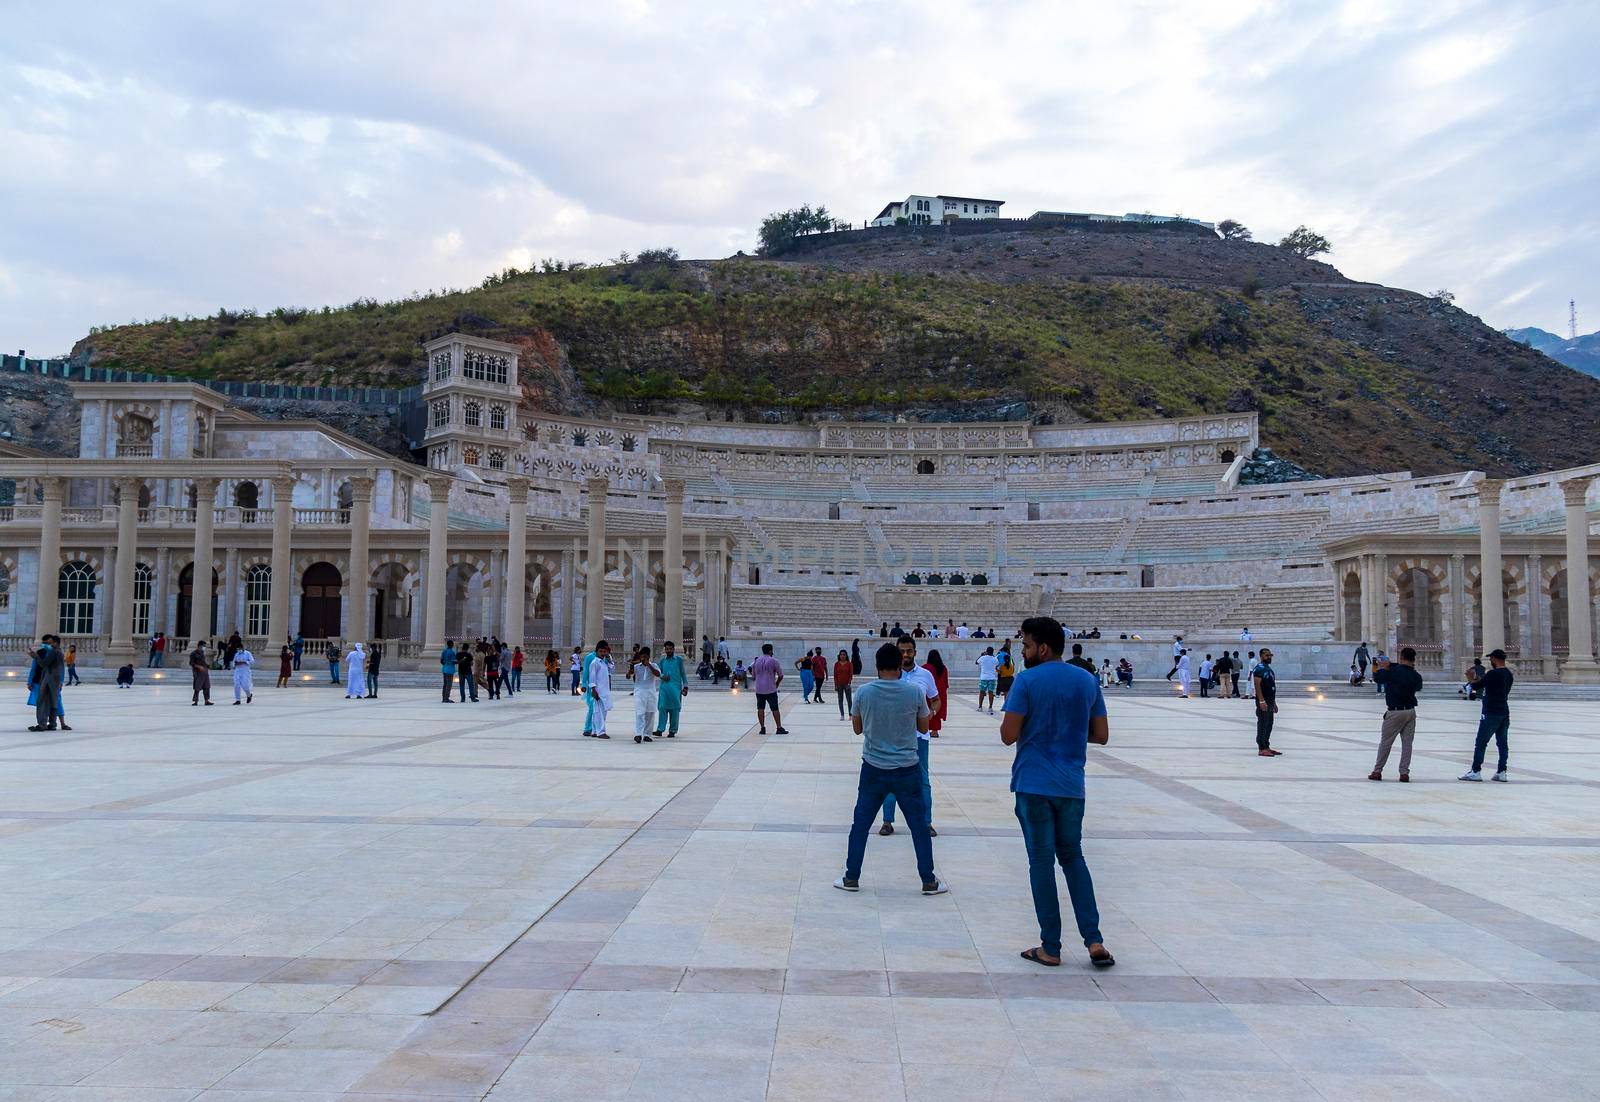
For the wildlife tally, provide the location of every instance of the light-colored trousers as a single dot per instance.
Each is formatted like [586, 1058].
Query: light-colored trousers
[243, 683]
[644, 714]
[1402, 723]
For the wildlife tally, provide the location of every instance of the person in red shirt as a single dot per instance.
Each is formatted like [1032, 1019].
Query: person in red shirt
[941, 677]
[819, 672]
[843, 671]
[517, 658]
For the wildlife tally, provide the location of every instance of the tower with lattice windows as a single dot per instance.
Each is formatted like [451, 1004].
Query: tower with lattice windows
[471, 394]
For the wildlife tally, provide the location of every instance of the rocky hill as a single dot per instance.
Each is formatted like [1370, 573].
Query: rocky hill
[1056, 324]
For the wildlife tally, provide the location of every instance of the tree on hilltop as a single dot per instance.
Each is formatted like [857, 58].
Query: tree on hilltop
[1306, 243]
[779, 230]
[1232, 230]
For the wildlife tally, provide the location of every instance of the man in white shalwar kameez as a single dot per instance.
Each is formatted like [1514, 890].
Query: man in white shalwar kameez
[355, 673]
[600, 686]
[1183, 673]
[243, 686]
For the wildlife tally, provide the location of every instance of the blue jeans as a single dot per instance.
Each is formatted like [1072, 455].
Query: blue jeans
[1498, 728]
[1052, 829]
[466, 684]
[927, 785]
[874, 785]
[333, 671]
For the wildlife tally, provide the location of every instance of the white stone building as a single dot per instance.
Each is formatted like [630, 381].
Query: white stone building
[931, 210]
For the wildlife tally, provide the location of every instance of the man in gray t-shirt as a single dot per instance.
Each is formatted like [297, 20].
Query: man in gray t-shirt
[889, 713]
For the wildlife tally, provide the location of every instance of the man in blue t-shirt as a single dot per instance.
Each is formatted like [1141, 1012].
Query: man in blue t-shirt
[1053, 711]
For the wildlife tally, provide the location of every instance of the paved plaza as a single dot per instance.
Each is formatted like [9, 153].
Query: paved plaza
[310, 899]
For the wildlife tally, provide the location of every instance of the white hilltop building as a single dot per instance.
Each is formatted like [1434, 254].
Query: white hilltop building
[931, 210]
[184, 515]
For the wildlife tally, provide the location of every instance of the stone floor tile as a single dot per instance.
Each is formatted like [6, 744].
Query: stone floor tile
[434, 1074]
[1369, 993]
[825, 981]
[1160, 989]
[171, 1065]
[322, 1070]
[455, 1032]
[818, 1079]
[1469, 995]
[1267, 992]
[629, 977]
[223, 969]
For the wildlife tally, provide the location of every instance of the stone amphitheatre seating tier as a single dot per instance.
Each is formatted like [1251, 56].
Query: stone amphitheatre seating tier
[1117, 610]
[1048, 544]
[1000, 607]
[1192, 538]
[970, 490]
[1308, 607]
[1340, 529]
[943, 546]
[782, 485]
[776, 609]
[792, 534]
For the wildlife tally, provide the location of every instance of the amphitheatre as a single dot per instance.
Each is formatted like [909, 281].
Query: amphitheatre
[313, 898]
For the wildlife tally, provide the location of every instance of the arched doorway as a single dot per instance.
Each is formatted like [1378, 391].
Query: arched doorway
[1417, 592]
[391, 603]
[1350, 605]
[463, 602]
[186, 602]
[320, 601]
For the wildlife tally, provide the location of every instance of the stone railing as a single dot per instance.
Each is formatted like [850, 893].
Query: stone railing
[321, 516]
[135, 451]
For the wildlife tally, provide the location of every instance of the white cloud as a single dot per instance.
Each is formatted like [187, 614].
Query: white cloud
[181, 160]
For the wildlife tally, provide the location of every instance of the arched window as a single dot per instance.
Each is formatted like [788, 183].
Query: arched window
[925, 466]
[472, 413]
[1226, 455]
[76, 593]
[497, 417]
[441, 365]
[499, 370]
[246, 495]
[144, 586]
[5, 587]
[469, 456]
[257, 599]
[497, 460]
[580, 438]
[441, 414]
[530, 431]
[629, 442]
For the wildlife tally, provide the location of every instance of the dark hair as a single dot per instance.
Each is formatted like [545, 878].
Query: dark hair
[668, 643]
[1409, 654]
[888, 657]
[766, 648]
[936, 662]
[1077, 650]
[602, 645]
[1046, 631]
[907, 641]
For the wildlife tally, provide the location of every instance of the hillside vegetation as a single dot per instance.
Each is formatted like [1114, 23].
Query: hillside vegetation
[1347, 377]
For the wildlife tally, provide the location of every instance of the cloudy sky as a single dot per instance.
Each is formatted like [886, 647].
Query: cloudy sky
[174, 157]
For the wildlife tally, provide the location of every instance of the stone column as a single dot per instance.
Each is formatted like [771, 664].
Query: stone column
[282, 526]
[360, 574]
[1458, 639]
[570, 621]
[516, 615]
[1580, 667]
[672, 563]
[232, 620]
[594, 577]
[120, 649]
[205, 507]
[1534, 587]
[1380, 597]
[433, 582]
[159, 592]
[638, 625]
[47, 604]
[1490, 578]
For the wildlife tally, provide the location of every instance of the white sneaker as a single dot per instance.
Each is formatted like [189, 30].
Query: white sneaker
[1472, 775]
[847, 885]
[935, 887]
[1501, 776]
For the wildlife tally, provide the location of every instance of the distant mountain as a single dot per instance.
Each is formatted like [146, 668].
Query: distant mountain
[1582, 354]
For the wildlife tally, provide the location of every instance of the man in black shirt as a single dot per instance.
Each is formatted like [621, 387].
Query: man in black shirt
[1265, 685]
[1494, 686]
[1400, 682]
[1079, 660]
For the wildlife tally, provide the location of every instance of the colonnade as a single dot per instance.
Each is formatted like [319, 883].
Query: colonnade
[1373, 573]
